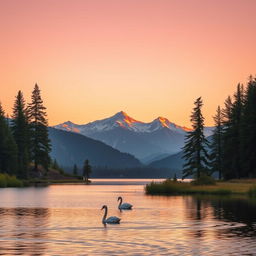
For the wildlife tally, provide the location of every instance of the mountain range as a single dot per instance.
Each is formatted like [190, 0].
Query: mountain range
[146, 141]
[71, 148]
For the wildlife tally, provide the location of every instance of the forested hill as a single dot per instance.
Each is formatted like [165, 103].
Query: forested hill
[70, 148]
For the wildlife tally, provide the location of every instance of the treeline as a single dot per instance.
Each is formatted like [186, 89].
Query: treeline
[24, 142]
[231, 151]
[133, 172]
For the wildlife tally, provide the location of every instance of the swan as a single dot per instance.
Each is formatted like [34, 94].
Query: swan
[110, 220]
[124, 206]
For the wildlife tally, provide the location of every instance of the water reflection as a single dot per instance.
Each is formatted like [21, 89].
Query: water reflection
[67, 220]
[239, 211]
[24, 227]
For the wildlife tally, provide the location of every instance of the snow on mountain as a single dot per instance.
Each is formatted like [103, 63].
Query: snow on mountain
[129, 135]
[121, 119]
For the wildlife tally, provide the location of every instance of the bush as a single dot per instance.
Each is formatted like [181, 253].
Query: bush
[204, 180]
[252, 191]
[168, 187]
[12, 181]
[7, 180]
[3, 183]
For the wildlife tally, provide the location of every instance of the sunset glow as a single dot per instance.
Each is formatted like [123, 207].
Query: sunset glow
[94, 58]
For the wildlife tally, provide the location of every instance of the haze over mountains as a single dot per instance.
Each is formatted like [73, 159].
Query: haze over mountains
[146, 141]
[70, 148]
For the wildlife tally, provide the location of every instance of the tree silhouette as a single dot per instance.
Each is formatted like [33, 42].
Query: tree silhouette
[195, 153]
[87, 170]
[40, 143]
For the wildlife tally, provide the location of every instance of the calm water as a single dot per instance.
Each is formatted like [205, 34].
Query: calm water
[66, 220]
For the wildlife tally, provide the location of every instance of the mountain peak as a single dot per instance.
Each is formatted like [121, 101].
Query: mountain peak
[124, 120]
[68, 122]
[163, 121]
[123, 113]
[68, 126]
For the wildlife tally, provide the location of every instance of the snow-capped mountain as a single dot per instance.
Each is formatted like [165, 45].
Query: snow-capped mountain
[121, 119]
[127, 134]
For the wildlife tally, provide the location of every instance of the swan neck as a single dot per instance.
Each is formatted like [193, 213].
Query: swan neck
[121, 200]
[105, 214]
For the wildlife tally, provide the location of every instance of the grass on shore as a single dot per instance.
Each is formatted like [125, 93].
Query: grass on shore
[169, 187]
[7, 180]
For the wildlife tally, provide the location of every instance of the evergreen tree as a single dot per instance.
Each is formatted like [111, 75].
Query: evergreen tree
[195, 153]
[75, 170]
[216, 144]
[55, 165]
[19, 126]
[227, 138]
[232, 136]
[8, 147]
[248, 131]
[86, 170]
[40, 143]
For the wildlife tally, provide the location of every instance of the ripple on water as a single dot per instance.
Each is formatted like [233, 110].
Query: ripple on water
[66, 220]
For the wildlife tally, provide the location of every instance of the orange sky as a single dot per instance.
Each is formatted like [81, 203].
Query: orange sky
[148, 58]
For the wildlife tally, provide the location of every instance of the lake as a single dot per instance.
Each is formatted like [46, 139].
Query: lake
[66, 220]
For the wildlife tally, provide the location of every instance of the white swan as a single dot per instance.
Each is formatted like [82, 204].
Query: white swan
[110, 220]
[124, 206]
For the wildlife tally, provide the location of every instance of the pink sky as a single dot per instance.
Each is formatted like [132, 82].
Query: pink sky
[148, 58]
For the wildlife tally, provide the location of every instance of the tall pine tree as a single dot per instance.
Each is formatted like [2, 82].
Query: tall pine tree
[40, 143]
[19, 126]
[195, 153]
[216, 144]
[232, 136]
[248, 131]
[8, 147]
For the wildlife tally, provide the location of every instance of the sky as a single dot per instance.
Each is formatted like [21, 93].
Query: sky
[149, 58]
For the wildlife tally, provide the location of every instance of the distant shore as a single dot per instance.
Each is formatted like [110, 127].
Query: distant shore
[233, 187]
[95, 181]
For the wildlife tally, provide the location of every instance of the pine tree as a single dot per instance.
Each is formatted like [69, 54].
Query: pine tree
[8, 147]
[19, 126]
[232, 136]
[237, 121]
[195, 153]
[75, 170]
[248, 131]
[86, 170]
[55, 165]
[40, 143]
[216, 144]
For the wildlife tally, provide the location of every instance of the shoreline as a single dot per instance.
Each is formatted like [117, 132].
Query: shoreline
[221, 188]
